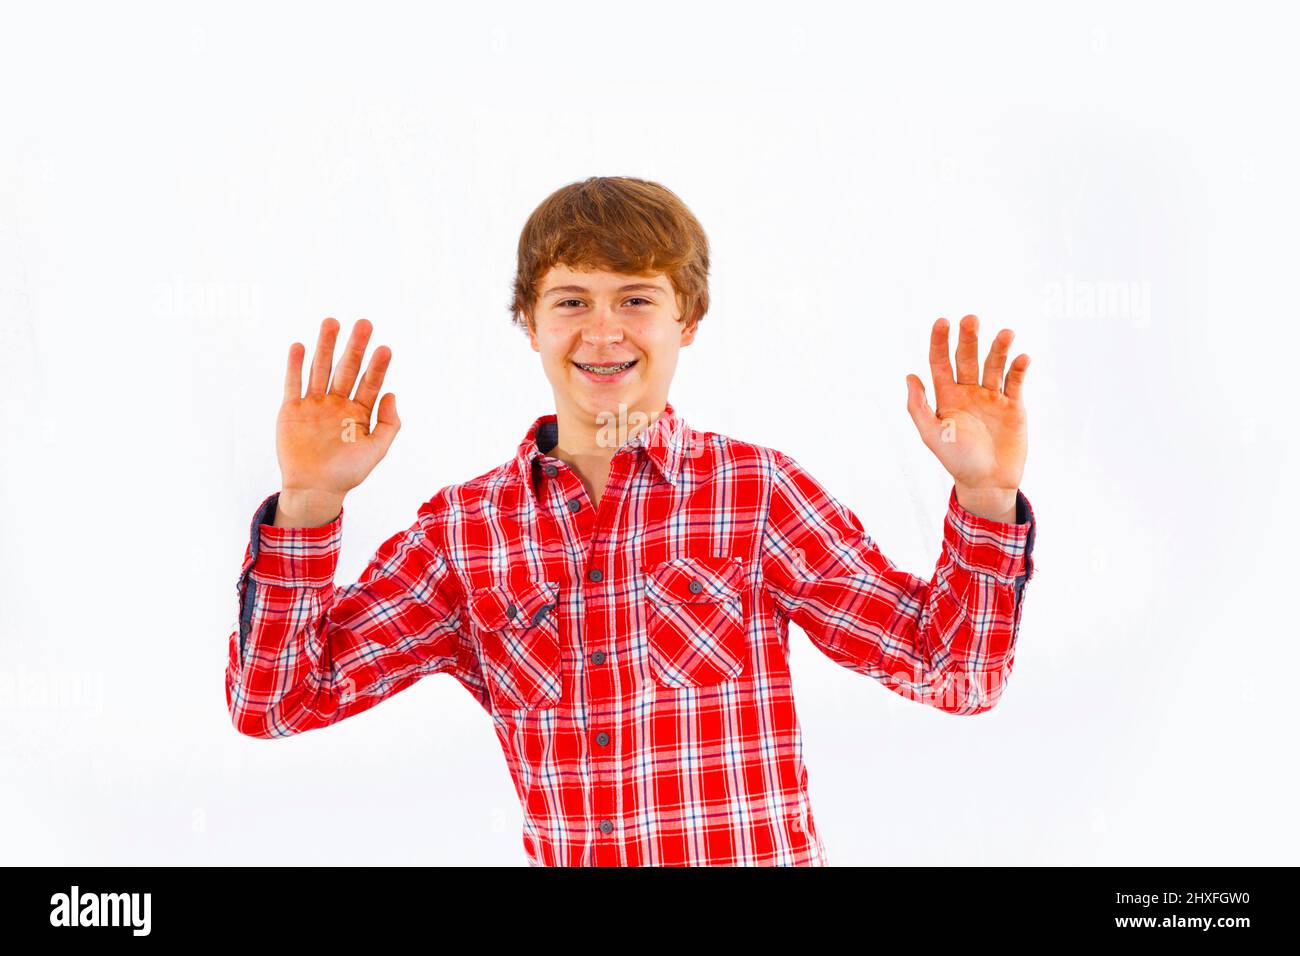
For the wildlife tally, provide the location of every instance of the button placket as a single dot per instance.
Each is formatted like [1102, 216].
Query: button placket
[602, 681]
[590, 525]
[600, 691]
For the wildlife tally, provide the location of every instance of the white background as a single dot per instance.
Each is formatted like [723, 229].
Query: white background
[183, 195]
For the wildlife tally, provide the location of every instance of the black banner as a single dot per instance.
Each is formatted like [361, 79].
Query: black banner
[946, 906]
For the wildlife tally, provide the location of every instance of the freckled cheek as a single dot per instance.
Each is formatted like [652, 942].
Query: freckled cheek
[555, 350]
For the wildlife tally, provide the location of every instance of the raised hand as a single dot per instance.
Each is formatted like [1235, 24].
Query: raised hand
[978, 429]
[323, 439]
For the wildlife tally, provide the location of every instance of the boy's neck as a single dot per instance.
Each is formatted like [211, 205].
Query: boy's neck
[584, 443]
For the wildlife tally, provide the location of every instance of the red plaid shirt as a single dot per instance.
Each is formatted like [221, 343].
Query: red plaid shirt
[633, 657]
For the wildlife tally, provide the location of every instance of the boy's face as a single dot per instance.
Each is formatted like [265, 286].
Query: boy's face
[607, 318]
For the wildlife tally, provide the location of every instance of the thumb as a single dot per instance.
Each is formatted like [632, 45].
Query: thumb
[388, 425]
[927, 423]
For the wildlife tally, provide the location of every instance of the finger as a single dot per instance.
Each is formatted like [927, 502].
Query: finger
[997, 359]
[324, 359]
[940, 367]
[293, 372]
[388, 425]
[373, 380]
[1016, 377]
[968, 351]
[345, 376]
[927, 423]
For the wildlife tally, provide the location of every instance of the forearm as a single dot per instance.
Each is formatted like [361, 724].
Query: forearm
[284, 592]
[948, 641]
[276, 682]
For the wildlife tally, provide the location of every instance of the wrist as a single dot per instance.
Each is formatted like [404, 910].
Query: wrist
[306, 508]
[995, 504]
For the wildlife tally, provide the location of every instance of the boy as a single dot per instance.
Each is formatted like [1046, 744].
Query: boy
[616, 596]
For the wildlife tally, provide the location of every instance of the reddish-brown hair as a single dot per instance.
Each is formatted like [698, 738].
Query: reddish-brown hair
[614, 224]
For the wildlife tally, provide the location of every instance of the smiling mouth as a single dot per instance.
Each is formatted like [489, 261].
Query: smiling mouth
[606, 369]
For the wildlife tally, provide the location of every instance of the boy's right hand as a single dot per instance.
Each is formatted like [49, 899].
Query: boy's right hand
[323, 439]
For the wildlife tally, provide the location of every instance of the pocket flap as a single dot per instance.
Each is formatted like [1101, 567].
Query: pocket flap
[695, 580]
[512, 607]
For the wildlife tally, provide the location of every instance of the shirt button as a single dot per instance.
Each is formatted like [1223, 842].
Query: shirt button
[598, 657]
[594, 574]
[695, 586]
[602, 738]
[551, 471]
[606, 826]
[511, 611]
[574, 504]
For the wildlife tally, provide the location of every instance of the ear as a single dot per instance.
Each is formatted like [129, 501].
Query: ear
[532, 332]
[688, 331]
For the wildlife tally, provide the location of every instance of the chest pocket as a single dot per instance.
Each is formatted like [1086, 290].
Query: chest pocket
[695, 621]
[519, 635]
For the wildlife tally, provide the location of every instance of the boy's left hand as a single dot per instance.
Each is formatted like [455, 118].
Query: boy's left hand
[978, 430]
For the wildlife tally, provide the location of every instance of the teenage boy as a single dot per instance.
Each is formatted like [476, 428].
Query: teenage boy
[616, 596]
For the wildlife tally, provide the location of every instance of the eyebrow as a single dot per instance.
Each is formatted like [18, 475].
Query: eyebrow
[581, 290]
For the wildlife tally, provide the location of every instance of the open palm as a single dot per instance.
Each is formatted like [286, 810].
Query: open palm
[323, 439]
[977, 429]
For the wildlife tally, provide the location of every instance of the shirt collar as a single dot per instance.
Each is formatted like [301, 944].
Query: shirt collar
[663, 441]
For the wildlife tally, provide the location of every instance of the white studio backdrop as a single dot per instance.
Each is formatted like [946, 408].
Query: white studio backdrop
[183, 194]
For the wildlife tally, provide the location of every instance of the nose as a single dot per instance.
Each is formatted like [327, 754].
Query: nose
[602, 325]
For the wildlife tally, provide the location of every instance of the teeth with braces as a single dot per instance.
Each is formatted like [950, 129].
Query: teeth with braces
[605, 369]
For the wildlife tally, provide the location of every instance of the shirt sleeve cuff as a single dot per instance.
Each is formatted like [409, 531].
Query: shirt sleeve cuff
[998, 548]
[293, 557]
